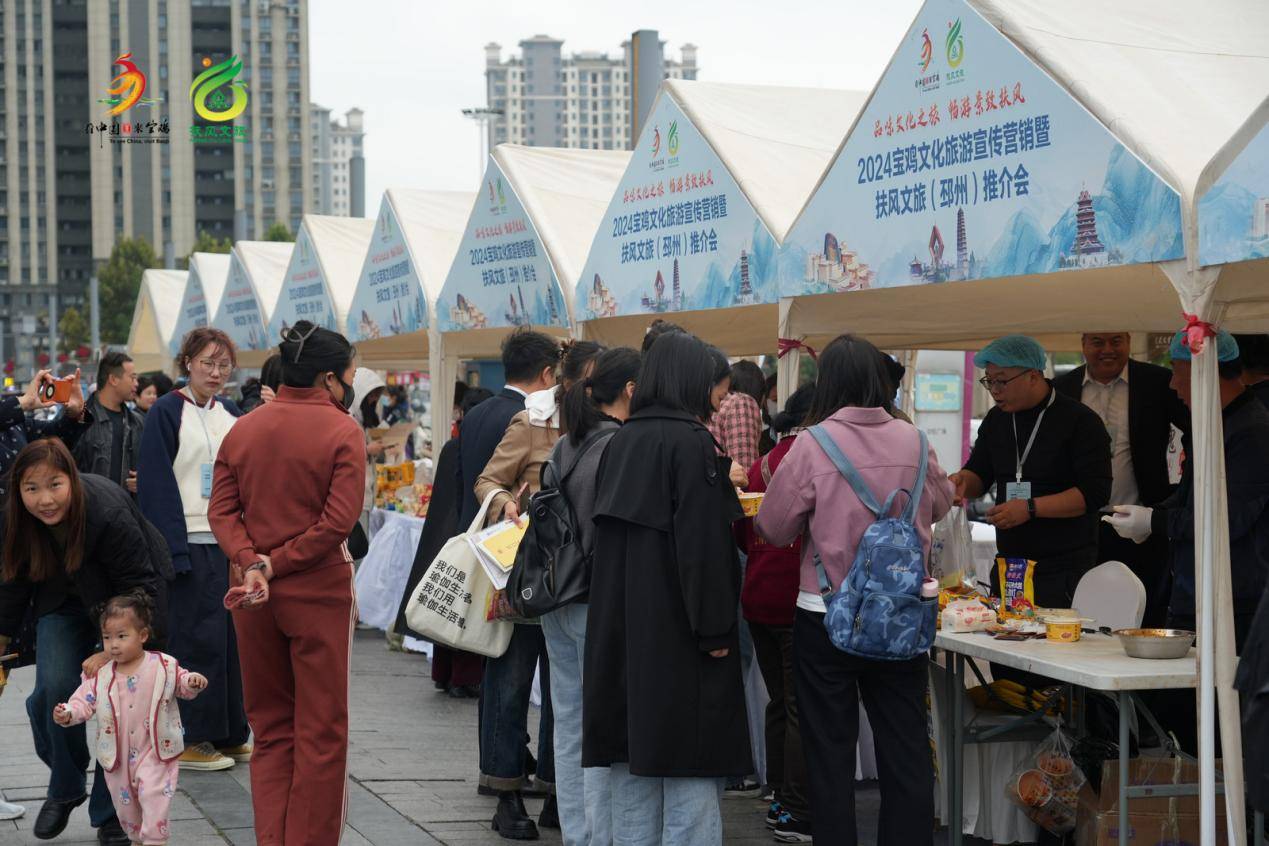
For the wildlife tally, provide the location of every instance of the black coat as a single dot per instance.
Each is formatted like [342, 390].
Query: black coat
[665, 590]
[118, 558]
[93, 451]
[1153, 409]
[440, 526]
[1252, 681]
[478, 438]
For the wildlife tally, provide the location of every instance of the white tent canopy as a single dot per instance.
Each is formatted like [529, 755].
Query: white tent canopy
[154, 317]
[322, 274]
[530, 227]
[1180, 94]
[413, 247]
[256, 271]
[761, 150]
[208, 275]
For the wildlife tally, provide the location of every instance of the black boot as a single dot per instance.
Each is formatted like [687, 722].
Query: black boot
[512, 820]
[550, 816]
[53, 816]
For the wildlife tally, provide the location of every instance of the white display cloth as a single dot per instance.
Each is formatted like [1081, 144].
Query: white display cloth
[154, 317]
[382, 575]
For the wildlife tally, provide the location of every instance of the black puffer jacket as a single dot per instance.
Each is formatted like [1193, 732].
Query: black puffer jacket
[119, 556]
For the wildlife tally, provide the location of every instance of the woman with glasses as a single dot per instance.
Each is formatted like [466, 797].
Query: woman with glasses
[182, 435]
[287, 493]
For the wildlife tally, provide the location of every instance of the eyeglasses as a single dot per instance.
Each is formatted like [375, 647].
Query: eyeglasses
[999, 384]
[215, 366]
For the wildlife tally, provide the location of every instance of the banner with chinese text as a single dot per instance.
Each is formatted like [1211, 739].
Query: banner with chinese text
[389, 299]
[502, 275]
[304, 292]
[679, 234]
[1233, 215]
[970, 162]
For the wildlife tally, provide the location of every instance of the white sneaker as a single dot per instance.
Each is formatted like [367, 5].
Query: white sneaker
[9, 811]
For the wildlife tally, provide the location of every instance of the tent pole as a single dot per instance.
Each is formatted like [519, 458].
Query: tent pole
[788, 368]
[1204, 404]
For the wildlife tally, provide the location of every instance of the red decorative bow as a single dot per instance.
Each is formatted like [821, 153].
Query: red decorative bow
[1196, 332]
[788, 345]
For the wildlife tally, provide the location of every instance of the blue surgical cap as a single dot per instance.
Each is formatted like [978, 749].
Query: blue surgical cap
[1012, 351]
[1226, 347]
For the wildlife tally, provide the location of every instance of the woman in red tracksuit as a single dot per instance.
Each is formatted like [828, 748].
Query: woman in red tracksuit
[287, 490]
[767, 600]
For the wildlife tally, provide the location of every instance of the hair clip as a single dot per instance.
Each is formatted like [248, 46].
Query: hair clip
[291, 336]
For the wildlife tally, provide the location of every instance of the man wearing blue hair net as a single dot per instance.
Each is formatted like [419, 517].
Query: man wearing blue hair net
[1047, 459]
[1246, 443]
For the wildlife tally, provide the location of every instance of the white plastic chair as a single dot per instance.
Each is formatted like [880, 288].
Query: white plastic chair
[1112, 595]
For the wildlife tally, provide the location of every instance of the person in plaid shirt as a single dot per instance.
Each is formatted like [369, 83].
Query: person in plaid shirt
[737, 425]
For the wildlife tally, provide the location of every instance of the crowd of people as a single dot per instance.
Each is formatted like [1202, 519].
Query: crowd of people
[155, 556]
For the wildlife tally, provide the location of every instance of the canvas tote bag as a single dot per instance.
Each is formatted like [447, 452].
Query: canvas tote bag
[450, 604]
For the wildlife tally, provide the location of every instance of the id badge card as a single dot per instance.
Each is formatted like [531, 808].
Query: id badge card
[206, 471]
[1017, 490]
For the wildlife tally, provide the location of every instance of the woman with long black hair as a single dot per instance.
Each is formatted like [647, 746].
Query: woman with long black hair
[73, 541]
[287, 490]
[664, 707]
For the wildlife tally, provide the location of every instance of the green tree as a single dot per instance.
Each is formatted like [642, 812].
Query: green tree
[72, 330]
[120, 280]
[207, 244]
[279, 232]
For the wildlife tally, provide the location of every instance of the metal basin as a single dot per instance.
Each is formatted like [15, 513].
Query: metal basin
[1155, 643]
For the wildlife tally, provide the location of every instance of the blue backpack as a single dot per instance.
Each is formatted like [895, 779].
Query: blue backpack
[877, 612]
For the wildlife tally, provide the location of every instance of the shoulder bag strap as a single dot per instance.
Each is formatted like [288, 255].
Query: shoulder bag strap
[848, 471]
[914, 498]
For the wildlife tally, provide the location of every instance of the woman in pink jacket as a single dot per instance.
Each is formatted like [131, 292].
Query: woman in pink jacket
[807, 494]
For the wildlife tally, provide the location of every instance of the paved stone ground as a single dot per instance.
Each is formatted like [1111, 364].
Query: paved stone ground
[413, 771]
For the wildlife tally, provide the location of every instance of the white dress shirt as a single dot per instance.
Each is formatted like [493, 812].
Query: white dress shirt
[1110, 401]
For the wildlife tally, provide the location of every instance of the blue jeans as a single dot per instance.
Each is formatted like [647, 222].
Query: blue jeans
[62, 641]
[504, 712]
[669, 811]
[583, 796]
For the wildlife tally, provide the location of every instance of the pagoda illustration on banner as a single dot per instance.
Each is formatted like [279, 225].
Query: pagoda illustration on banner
[517, 316]
[1088, 249]
[368, 327]
[465, 315]
[745, 296]
[658, 302]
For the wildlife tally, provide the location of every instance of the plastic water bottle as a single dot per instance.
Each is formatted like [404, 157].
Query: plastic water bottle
[930, 588]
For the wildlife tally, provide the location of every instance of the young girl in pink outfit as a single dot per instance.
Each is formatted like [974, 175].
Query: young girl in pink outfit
[138, 724]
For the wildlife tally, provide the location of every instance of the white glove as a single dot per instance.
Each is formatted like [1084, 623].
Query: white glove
[1131, 521]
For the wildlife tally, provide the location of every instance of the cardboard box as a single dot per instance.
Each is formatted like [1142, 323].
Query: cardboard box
[1152, 821]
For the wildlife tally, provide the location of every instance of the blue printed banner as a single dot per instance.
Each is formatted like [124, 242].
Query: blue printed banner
[970, 162]
[389, 299]
[679, 234]
[1233, 215]
[240, 315]
[502, 275]
[304, 293]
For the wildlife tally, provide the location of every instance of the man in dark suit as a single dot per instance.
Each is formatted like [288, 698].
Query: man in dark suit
[529, 362]
[1139, 409]
[1254, 351]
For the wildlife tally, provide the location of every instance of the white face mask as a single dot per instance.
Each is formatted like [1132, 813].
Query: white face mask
[773, 408]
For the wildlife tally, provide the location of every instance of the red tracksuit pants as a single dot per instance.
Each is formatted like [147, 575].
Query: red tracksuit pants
[295, 655]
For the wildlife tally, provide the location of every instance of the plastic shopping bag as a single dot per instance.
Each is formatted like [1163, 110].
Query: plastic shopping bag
[1047, 785]
[952, 549]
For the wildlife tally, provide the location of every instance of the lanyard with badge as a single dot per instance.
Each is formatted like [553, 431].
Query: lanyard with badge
[1018, 489]
[205, 470]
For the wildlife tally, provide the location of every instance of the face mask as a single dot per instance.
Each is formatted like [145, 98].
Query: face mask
[348, 393]
[773, 408]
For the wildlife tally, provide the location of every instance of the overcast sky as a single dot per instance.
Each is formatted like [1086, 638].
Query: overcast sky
[412, 65]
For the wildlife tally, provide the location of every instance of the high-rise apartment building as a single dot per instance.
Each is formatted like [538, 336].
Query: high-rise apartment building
[72, 183]
[546, 99]
[338, 155]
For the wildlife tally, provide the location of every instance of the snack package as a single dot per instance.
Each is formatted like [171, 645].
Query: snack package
[966, 615]
[1017, 593]
[1047, 785]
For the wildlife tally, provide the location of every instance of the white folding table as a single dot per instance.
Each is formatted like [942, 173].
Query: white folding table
[1095, 662]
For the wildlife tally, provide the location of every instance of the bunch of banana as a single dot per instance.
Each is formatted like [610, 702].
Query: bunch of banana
[1007, 695]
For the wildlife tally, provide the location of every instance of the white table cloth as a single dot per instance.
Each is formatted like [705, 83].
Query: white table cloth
[382, 575]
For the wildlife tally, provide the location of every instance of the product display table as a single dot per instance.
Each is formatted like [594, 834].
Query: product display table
[382, 575]
[1096, 662]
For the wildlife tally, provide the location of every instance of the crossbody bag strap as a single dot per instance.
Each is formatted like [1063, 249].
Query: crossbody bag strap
[848, 471]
